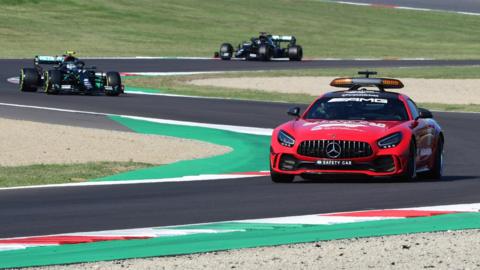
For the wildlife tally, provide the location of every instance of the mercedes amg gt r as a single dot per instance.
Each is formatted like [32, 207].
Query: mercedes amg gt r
[359, 131]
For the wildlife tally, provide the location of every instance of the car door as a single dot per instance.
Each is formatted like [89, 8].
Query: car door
[424, 135]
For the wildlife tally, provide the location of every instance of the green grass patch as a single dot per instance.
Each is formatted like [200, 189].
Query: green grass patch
[63, 173]
[178, 84]
[197, 28]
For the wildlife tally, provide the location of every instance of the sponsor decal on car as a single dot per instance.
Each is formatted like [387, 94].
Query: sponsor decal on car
[360, 94]
[342, 124]
[50, 58]
[358, 99]
[283, 38]
[329, 162]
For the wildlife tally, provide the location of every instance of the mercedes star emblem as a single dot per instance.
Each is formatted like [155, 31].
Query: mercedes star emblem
[333, 150]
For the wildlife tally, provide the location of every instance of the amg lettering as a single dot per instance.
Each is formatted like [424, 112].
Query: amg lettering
[371, 100]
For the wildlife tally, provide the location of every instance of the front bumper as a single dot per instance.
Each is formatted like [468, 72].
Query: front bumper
[375, 165]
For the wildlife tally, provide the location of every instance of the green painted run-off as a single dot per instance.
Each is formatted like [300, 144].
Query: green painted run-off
[252, 235]
[249, 152]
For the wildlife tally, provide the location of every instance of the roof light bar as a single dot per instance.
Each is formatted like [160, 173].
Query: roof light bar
[356, 83]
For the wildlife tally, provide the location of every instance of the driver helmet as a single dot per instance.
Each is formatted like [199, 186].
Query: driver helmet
[69, 58]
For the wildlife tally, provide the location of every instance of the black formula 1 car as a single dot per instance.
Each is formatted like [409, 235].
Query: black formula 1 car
[66, 73]
[264, 48]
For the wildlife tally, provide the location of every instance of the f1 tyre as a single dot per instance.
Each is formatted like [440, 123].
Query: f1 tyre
[264, 52]
[29, 80]
[113, 82]
[226, 51]
[280, 177]
[295, 53]
[53, 82]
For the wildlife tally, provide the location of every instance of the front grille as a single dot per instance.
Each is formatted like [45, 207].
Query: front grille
[347, 149]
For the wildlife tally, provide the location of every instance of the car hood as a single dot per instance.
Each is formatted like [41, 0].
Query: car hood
[341, 129]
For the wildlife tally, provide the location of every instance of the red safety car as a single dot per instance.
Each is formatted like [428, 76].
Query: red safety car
[359, 131]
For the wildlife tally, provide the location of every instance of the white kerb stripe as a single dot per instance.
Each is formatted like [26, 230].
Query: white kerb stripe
[239, 129]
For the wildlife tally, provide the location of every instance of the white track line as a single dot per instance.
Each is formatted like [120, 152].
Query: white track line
[186, 73]
[149, 57]
[404, 7]
[173, 95]
[166, 231]
[194, 178]
[238, 129]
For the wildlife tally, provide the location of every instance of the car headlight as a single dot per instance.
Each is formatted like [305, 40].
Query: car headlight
[285, 139]
[390, 141]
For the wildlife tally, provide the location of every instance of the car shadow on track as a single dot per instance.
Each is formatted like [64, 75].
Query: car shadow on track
[329, 179]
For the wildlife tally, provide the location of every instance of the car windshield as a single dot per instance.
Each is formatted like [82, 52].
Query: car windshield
[358, 108]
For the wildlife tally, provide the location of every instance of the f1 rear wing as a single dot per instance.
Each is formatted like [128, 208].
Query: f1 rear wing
[279, 38]
[48, 60]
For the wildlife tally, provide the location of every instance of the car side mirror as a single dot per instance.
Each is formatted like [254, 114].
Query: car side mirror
[424, 113]
[295, 111]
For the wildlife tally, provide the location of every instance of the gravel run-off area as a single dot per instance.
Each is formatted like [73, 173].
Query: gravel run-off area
[27, 143]
[440, 250]
[446, 91]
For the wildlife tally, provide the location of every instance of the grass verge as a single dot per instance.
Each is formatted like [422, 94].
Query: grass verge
[178, 85]
[197, 28]
[44, 174]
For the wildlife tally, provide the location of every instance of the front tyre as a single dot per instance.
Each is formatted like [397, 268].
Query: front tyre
[226, 51]
[28, 80]
[280, 177]
[436, 171]
[410, 172]
[53, 81]
[113, 83]
[295, 53]
[264, 52]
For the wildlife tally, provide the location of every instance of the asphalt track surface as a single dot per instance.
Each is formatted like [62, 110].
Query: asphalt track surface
[447, 5]
[73, 209]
